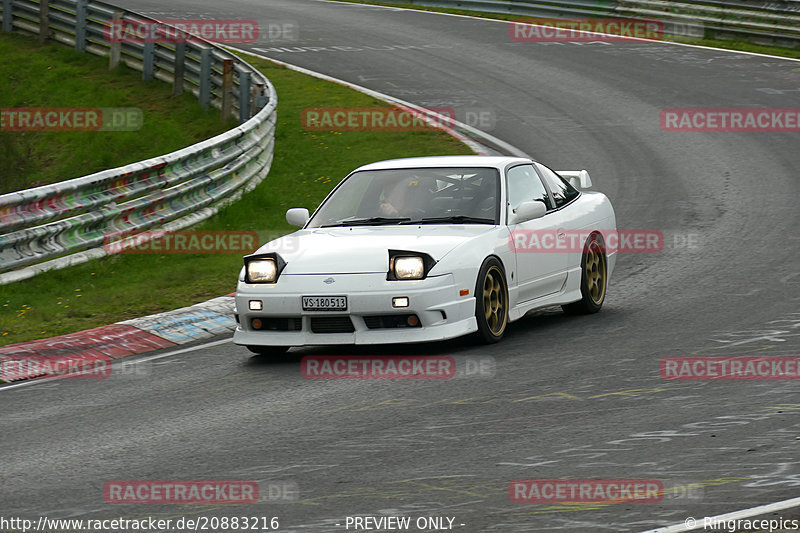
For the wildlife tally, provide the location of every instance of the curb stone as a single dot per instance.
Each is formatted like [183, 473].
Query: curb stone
[74, 351]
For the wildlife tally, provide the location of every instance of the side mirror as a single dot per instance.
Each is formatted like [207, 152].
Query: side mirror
[577, 178]
[297, 216]
[527, 211]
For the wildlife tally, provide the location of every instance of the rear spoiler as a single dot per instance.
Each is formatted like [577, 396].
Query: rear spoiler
[577, 178]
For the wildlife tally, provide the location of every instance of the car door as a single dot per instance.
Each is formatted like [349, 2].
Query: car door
[571, 221]
[541, 264]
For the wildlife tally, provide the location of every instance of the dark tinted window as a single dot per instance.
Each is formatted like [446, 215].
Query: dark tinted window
[524, 185]
[562, 191]
[415, 194]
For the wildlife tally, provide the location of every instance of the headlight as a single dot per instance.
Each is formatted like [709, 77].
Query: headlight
[262, 271]
[263, 268]
[409, 267]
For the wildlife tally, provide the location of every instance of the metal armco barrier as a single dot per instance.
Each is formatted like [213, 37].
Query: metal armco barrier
[66, 223]
[761, 22]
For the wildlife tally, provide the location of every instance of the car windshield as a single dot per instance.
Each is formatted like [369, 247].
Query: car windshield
[412, 196]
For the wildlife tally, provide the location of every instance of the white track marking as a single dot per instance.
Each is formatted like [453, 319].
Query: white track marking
[735, 515]
[182, 350]
[541, 26]
[32, 382]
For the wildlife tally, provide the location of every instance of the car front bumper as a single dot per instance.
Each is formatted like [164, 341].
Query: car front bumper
[370, 318]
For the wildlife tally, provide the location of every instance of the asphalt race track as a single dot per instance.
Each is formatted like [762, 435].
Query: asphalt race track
[561, 397]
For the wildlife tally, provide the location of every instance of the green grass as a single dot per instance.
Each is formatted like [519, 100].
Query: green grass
[716, 43]
[743, 46]
[307, 164]
[53, 75]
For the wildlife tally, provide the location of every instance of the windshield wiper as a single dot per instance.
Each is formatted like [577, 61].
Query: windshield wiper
[455, 219]
[372, 221]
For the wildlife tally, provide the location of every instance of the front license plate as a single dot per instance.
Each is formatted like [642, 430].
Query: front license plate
[324, 303]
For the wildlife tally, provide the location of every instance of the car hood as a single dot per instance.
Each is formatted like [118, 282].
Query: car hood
[360, 249]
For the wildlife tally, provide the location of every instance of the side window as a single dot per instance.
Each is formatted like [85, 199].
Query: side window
[524, 185]
[562, 191]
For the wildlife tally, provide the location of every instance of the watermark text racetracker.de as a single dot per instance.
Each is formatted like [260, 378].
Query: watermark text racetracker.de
[585, 490]
[604, 491]
[388, 367]
[730, 120]
[376, 119]
[181, 492]
[182, 242]
[584, 29]
[21, 367]
[573, 241]
[180, 31]
[730, 368]
[397, 367]
[71, 119]
[73, 366]
[206, 492]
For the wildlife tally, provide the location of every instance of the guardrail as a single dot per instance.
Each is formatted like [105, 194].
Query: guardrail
[760, 22]
[66, 223]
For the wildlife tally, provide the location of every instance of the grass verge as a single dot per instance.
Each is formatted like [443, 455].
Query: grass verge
[55, 76]
[715, 43]
[306, 165]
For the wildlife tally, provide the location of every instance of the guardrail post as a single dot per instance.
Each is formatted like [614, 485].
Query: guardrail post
[44, 20]
[115, 44]
[148, 57]
[205, 77]
[8, 16]
[80, 25]
[244, 96]
[262, 98]
[227, 86]
[179, 68]
[258, 90]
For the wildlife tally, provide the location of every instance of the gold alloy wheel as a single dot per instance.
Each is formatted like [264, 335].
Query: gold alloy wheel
[595, 272]
[495, 306]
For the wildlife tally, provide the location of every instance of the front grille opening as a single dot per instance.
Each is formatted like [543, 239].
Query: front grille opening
[392, 321]
[332, 324]
[277, 323]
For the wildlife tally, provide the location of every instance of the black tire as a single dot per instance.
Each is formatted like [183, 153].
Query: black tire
[594, 278]
[491, 301]
[268, 350]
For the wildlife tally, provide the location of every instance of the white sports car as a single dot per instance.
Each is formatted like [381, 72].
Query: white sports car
[427, 249]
